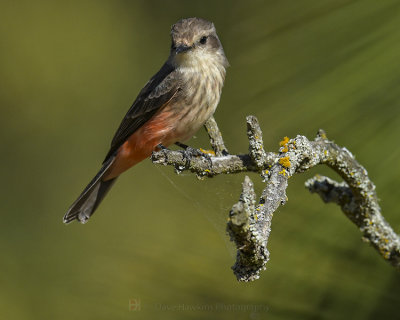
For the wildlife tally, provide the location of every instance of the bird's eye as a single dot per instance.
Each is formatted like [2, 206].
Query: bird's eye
[203, 40]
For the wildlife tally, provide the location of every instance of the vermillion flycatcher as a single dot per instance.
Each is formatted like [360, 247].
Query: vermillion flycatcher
[172, 106]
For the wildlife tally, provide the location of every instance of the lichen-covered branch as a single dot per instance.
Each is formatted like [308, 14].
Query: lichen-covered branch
[216, 141]
[256, 144]
[243, 229]
[249, 223]
[211, 166]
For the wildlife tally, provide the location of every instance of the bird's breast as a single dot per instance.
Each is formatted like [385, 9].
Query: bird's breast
[199, 97]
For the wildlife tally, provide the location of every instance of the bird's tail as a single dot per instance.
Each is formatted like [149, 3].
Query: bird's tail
[90, 198]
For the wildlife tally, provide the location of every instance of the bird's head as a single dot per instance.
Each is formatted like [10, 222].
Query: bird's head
[195, 40]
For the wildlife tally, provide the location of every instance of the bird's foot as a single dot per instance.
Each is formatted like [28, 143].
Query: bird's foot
[190, 152]
[162, 148]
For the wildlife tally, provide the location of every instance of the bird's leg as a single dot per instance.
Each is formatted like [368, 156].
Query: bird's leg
[161, 147]
[182, 145]
[190, 152]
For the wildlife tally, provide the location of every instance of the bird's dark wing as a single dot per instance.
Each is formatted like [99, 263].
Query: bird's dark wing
[156, 93]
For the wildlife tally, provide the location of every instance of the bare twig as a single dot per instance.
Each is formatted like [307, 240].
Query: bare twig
[249, 224]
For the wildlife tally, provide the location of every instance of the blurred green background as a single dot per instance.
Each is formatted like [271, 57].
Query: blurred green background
[68, 73]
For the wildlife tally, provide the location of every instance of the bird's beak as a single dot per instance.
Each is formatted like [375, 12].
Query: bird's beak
[182, 48]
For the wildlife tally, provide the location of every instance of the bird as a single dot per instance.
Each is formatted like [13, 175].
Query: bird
[173, 105]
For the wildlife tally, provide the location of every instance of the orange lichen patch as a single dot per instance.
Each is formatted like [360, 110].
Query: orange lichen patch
[284, 142]
[209, 152]
[283, 172]
[285, 161]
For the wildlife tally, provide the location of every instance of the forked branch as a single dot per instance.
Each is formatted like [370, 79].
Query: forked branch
[249, 223]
